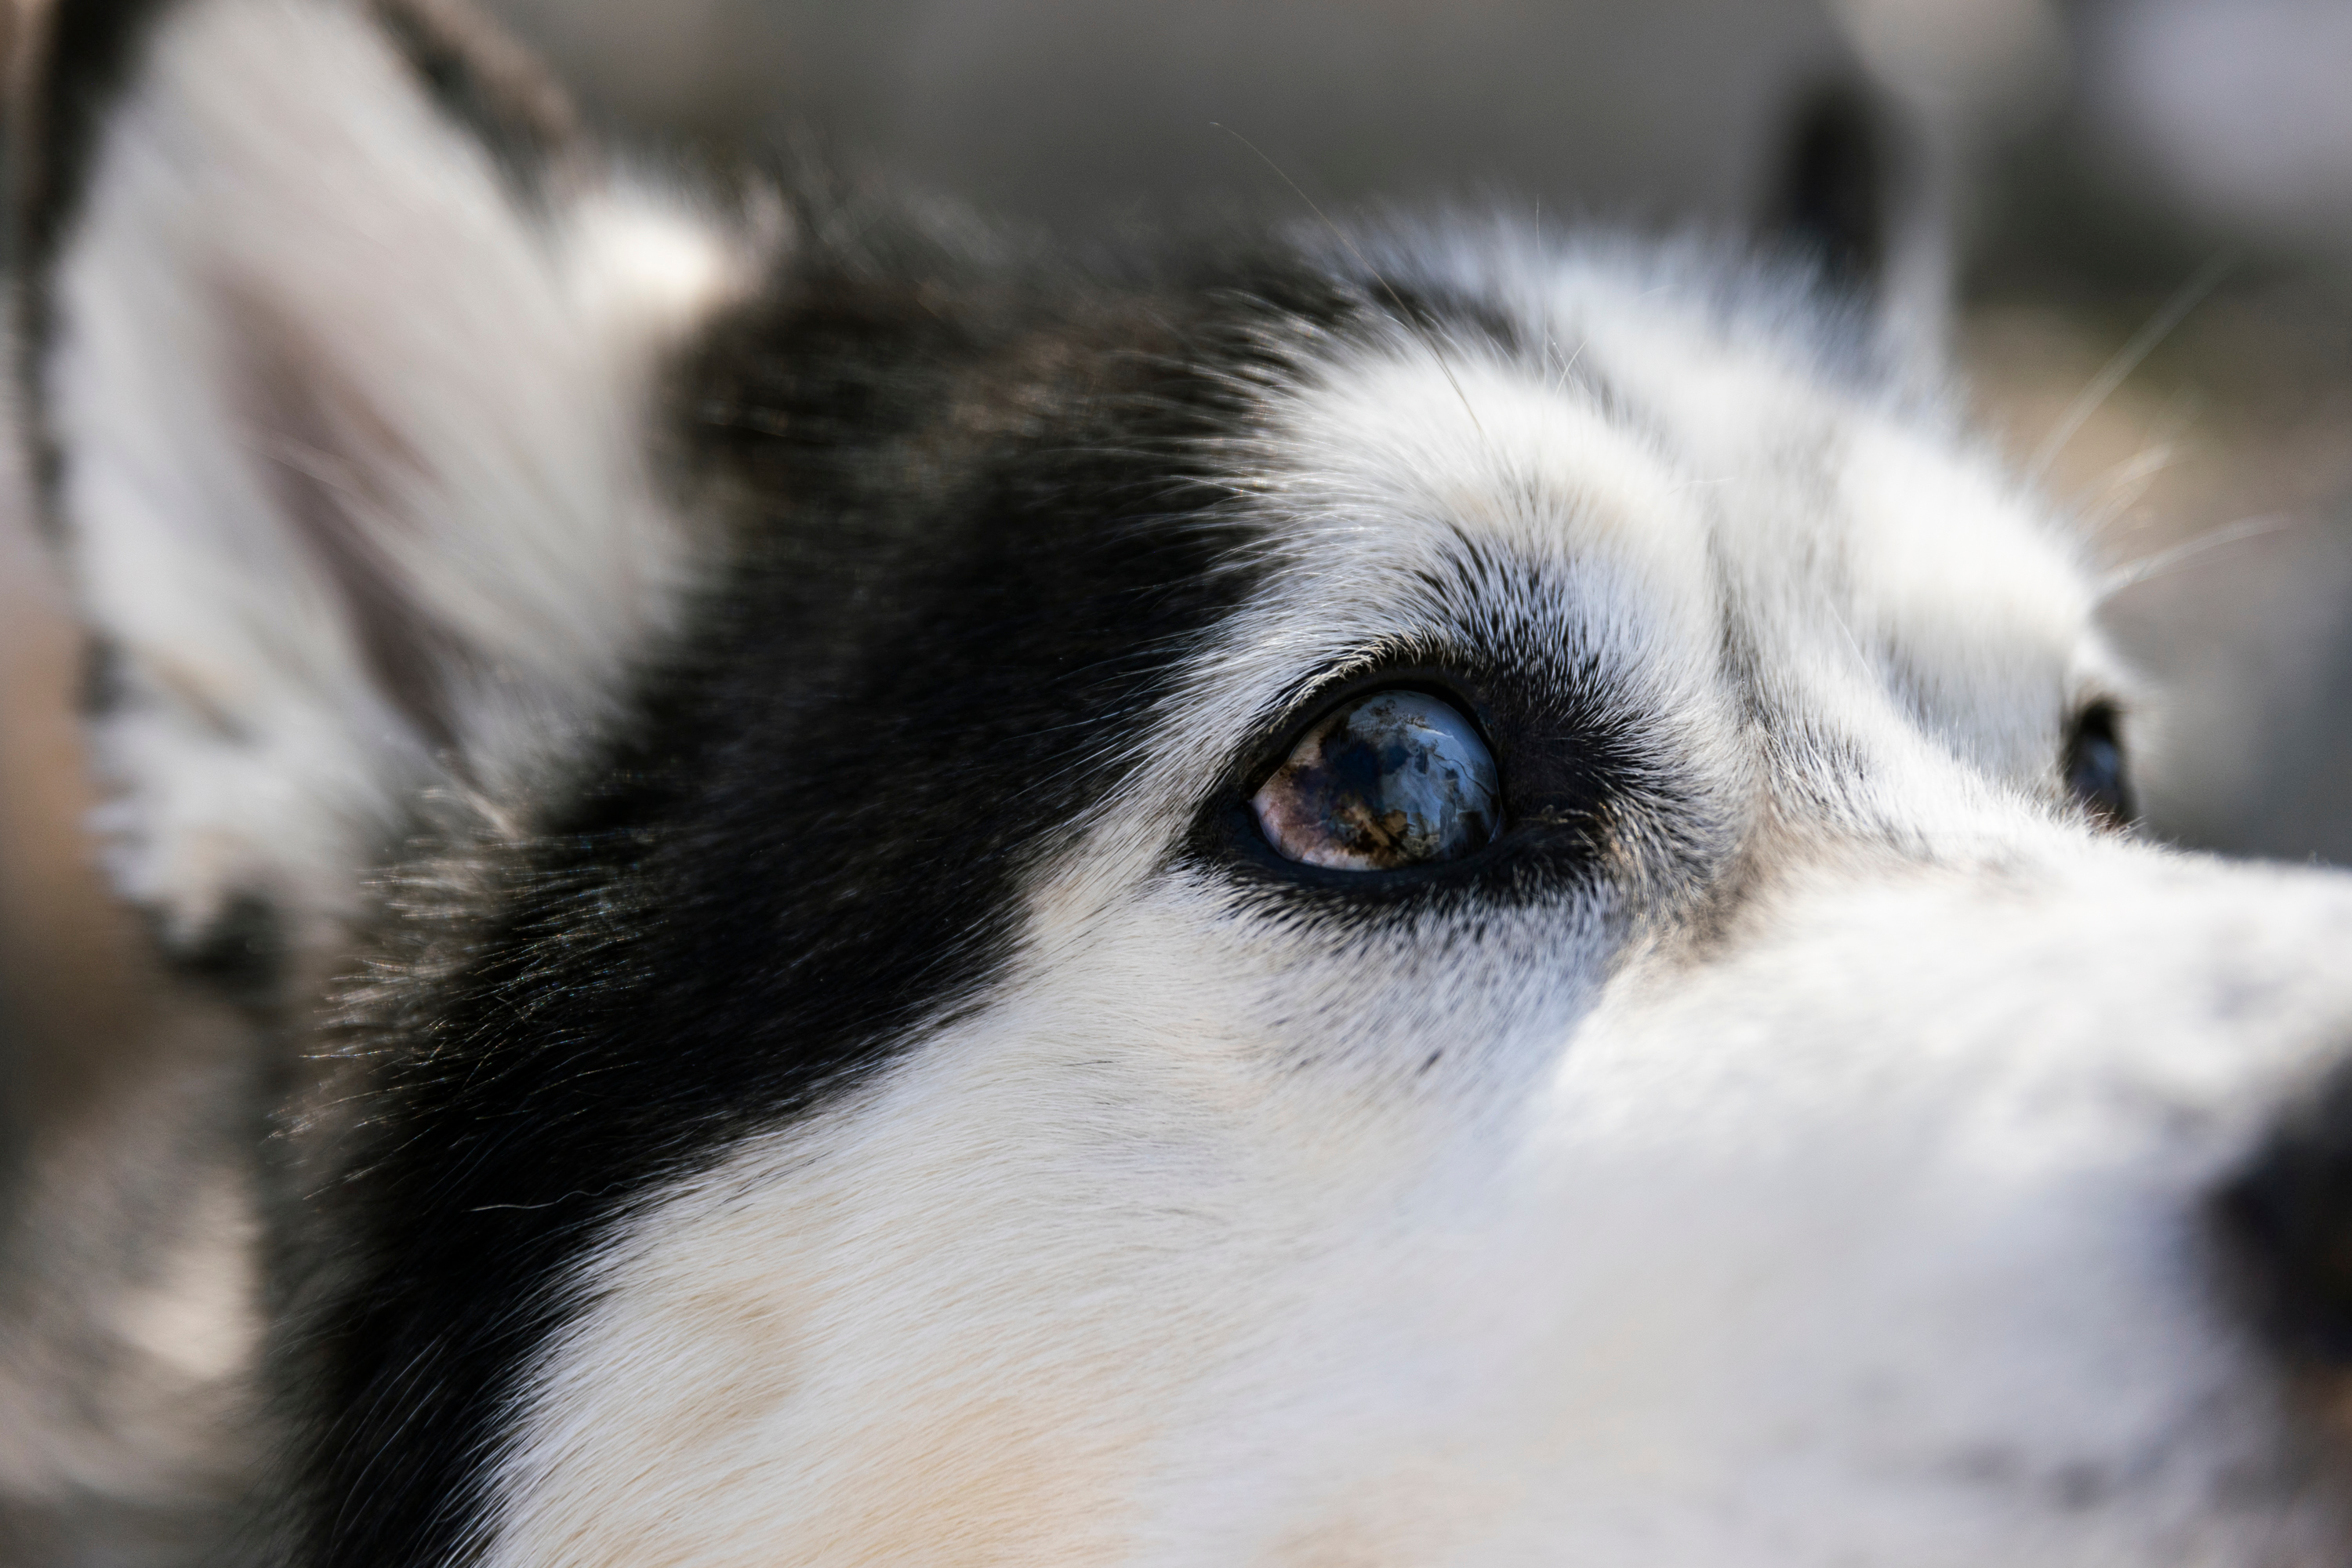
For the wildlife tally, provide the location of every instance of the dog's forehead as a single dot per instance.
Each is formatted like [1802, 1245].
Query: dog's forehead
[1642, 429]
[1682, 482]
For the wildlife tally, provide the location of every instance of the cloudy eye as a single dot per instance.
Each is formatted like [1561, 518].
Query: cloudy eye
[1396, 778]
[2095, 765]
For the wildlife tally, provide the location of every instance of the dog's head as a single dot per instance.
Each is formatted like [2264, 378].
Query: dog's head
[1445, 896]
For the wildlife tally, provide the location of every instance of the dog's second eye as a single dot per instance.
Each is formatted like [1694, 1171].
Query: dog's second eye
[2095, 765]
[1397, 778]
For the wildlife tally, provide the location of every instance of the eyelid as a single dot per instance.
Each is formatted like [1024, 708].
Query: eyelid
[1280, 732]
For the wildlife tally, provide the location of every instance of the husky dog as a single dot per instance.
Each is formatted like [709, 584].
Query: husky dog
[1404, 896]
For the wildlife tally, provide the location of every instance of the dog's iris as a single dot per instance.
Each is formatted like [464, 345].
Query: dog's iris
[1397, 778]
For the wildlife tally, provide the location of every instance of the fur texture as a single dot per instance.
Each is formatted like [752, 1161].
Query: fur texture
[834, 1075]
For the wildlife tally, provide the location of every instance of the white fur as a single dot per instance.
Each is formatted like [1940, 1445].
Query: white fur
[1868, 1234]
[277, 180]
[1854, 1223]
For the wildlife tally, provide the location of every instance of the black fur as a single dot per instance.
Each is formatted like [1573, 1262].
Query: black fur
[977, 535]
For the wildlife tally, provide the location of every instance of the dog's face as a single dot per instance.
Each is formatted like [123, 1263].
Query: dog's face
[1440, 900]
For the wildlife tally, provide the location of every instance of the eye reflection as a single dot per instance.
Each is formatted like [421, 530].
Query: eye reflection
[1397, 778]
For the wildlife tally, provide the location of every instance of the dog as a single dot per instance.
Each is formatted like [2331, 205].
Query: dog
[1384, 894]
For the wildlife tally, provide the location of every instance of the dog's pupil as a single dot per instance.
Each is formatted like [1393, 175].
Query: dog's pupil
[2095, 765]
[1397, 778]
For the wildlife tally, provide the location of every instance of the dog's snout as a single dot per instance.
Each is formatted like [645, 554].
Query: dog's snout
[2290, 1210]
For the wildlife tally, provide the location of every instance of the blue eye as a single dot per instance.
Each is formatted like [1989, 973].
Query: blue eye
[1397, 778]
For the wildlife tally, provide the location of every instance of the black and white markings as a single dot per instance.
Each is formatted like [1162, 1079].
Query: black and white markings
[1195, 909]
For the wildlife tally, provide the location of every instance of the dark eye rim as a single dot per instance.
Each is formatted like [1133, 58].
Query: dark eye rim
[1580, 800]
[1228, 832]
[2099, 719]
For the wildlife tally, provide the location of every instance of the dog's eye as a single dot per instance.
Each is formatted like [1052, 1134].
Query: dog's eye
[2095, 765]
[1397, 778]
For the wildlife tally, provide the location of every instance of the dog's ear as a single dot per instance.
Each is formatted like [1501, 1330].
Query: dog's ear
[343, 354]
[1857, 194]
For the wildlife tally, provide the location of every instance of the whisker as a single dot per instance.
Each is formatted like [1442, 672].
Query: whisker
[2124, 486]
[2128, 359]
[2115, 514]
[1543, 271]
[2164, 560]
[2139, 469]
[1570, 365]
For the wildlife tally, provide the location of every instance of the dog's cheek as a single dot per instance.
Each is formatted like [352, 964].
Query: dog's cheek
[983, 1300]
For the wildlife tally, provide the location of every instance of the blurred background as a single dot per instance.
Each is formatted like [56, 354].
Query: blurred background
[2147, 208]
